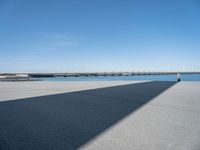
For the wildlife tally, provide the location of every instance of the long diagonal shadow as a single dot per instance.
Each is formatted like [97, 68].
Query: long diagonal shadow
[69, 120]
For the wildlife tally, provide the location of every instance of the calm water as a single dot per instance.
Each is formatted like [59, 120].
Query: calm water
[186, 77]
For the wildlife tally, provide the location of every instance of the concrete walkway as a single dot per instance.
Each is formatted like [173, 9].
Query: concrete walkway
[100, 115]
[18, 90]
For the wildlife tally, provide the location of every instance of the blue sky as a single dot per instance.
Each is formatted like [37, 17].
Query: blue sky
[99, 35]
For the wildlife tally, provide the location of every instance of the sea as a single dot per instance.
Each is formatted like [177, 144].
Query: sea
[184, 77]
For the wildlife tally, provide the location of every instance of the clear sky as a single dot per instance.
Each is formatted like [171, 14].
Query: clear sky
[99, 35]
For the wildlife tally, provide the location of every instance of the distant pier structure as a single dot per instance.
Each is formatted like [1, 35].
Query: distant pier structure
[96, 74]
[28, 76]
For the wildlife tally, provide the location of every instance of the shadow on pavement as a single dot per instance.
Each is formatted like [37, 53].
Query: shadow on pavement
[67, 121]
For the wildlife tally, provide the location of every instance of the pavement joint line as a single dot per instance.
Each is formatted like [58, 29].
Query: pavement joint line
[136, 102]
[112, 98]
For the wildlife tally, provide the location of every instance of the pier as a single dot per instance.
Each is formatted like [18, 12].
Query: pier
[79, 74]
[26, 76]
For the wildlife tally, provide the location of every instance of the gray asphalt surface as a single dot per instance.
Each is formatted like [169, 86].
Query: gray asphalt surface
[145, 115]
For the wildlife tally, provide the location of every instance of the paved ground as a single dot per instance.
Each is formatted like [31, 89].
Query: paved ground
[100, 115]
[18, 90]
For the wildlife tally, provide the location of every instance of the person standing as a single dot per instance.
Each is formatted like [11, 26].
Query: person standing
[178, 77]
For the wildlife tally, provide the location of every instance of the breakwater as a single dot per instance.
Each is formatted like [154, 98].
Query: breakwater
[100, 76]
